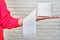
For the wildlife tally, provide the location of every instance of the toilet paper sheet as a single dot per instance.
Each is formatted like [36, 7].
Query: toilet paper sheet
[29, 25]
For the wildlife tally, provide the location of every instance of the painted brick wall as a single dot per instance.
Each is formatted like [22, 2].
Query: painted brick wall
[46, 29]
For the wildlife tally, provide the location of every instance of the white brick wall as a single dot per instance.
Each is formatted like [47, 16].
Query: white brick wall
[46, 29]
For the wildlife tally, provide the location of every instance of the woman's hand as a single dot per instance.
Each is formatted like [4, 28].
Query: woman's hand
[38, 18]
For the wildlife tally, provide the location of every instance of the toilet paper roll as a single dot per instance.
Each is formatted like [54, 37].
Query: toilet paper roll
[29, 23]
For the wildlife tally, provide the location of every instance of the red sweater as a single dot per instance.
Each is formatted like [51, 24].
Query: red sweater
[6, 20]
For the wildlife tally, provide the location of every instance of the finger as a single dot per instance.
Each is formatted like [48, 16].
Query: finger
[41, 18]
[48, 17]
[53, 16]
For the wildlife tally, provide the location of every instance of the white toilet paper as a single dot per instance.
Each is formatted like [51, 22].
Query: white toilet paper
[29, 23]
[44, 9]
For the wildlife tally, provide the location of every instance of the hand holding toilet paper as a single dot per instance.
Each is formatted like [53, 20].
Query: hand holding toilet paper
[29, 23]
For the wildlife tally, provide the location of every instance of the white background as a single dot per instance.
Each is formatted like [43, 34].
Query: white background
[46, 29]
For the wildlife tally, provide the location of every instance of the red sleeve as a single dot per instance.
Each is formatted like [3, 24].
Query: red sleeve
[9, 22]
[6, 19]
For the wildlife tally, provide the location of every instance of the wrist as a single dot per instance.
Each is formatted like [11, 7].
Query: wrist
[20, 22]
